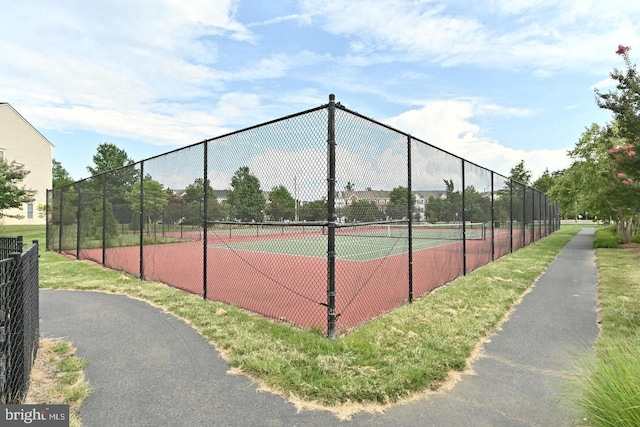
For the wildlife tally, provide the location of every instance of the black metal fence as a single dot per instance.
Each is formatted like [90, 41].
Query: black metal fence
[324, 218]
[19, 316]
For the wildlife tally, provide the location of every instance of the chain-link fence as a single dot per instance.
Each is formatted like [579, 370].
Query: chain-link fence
[324, 219]
[19, 331]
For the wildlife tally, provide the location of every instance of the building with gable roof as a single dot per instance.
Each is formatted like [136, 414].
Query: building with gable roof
[23, 143]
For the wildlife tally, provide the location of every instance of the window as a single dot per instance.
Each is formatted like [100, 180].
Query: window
[1, 154]
[29, 210]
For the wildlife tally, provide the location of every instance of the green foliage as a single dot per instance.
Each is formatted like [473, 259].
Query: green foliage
[363, 211]
[448, 209]
[397, 207]
[610, 385]
[281, 204]
[245, 200]
[12, 193]
[194, 200]
[108, 157]
[313, 211]
[607, 237]
[520, 173]
[154, 199]
[545, 182]
[60, 175]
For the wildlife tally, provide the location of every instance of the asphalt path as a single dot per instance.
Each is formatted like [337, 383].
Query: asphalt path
[149, 368]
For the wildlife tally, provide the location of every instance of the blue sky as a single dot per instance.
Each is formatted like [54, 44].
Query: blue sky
[493, 81]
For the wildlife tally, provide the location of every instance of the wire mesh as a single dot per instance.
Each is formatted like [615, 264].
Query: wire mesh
[371, 185]
[19, 331]
[477, 208]
[436, 178]
[245, 219]
[121, 208]
[265, 251]
[502, 223]
[173, 199]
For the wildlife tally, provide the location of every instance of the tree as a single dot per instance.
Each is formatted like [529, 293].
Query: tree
[398, 205]
[363, 211]
[194, 199]
[350, 186]
[447, 209]
[60, 175]
[154, 199]
[314, 211]
[520, 173]
[245, 200]
[281, 204]
[12, 194]
[109, 157]
[111, 160]
[545, 182]
[623, 139]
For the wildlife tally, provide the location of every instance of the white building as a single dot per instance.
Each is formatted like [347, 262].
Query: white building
[24, 144]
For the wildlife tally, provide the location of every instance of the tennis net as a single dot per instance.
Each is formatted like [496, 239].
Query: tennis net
[440, 231]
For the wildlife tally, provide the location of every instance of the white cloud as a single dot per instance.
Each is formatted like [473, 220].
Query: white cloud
[448, 124]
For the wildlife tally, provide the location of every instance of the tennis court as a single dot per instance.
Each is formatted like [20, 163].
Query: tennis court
[354, 242]
[247, 218]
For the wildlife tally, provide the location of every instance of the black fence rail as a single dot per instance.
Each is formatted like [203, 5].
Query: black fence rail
[19, 314]
[325, 218]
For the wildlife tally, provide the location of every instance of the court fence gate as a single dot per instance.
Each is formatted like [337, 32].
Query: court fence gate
[325, 218]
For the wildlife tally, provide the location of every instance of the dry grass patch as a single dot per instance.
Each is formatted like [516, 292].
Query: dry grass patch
[57, 377]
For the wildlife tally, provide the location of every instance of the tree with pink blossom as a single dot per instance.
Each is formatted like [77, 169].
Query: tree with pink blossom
[623, 136]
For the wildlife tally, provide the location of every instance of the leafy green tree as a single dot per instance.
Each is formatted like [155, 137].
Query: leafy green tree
[154, 199]
[194, 199]
[12, 193]
[245, 200]
[399, 203]
[520, 173]
[60, 175]
[281, 204]
[314, 211]
[363, 211]
[592, 185]
[477, 207]
[544, 182]
[109, 157]
[447, 209]
[121, 176]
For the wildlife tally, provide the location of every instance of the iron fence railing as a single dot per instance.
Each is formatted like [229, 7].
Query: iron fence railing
[268, 218]
[19, 316]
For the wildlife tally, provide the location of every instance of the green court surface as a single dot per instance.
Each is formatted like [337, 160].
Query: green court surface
[351, 248]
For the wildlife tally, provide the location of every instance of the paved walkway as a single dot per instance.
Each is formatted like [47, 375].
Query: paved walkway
[148, 368]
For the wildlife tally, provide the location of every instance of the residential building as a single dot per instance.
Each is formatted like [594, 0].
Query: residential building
[24, 144]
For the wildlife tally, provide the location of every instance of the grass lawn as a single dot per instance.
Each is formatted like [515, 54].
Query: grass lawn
[414, 349]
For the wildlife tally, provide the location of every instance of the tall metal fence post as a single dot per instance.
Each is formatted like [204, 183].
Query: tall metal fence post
[493, 224]
[47, 212]
[205, 216]
[60, 228]
[104, 218]
[141, 220]
[464, 226]
[331, 219]
[510, 216]
[410, 216]
[78, 218]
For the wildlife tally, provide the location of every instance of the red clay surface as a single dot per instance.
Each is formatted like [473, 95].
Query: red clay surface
[294, 288]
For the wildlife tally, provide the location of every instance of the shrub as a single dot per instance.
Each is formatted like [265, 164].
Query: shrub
[607, 237]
